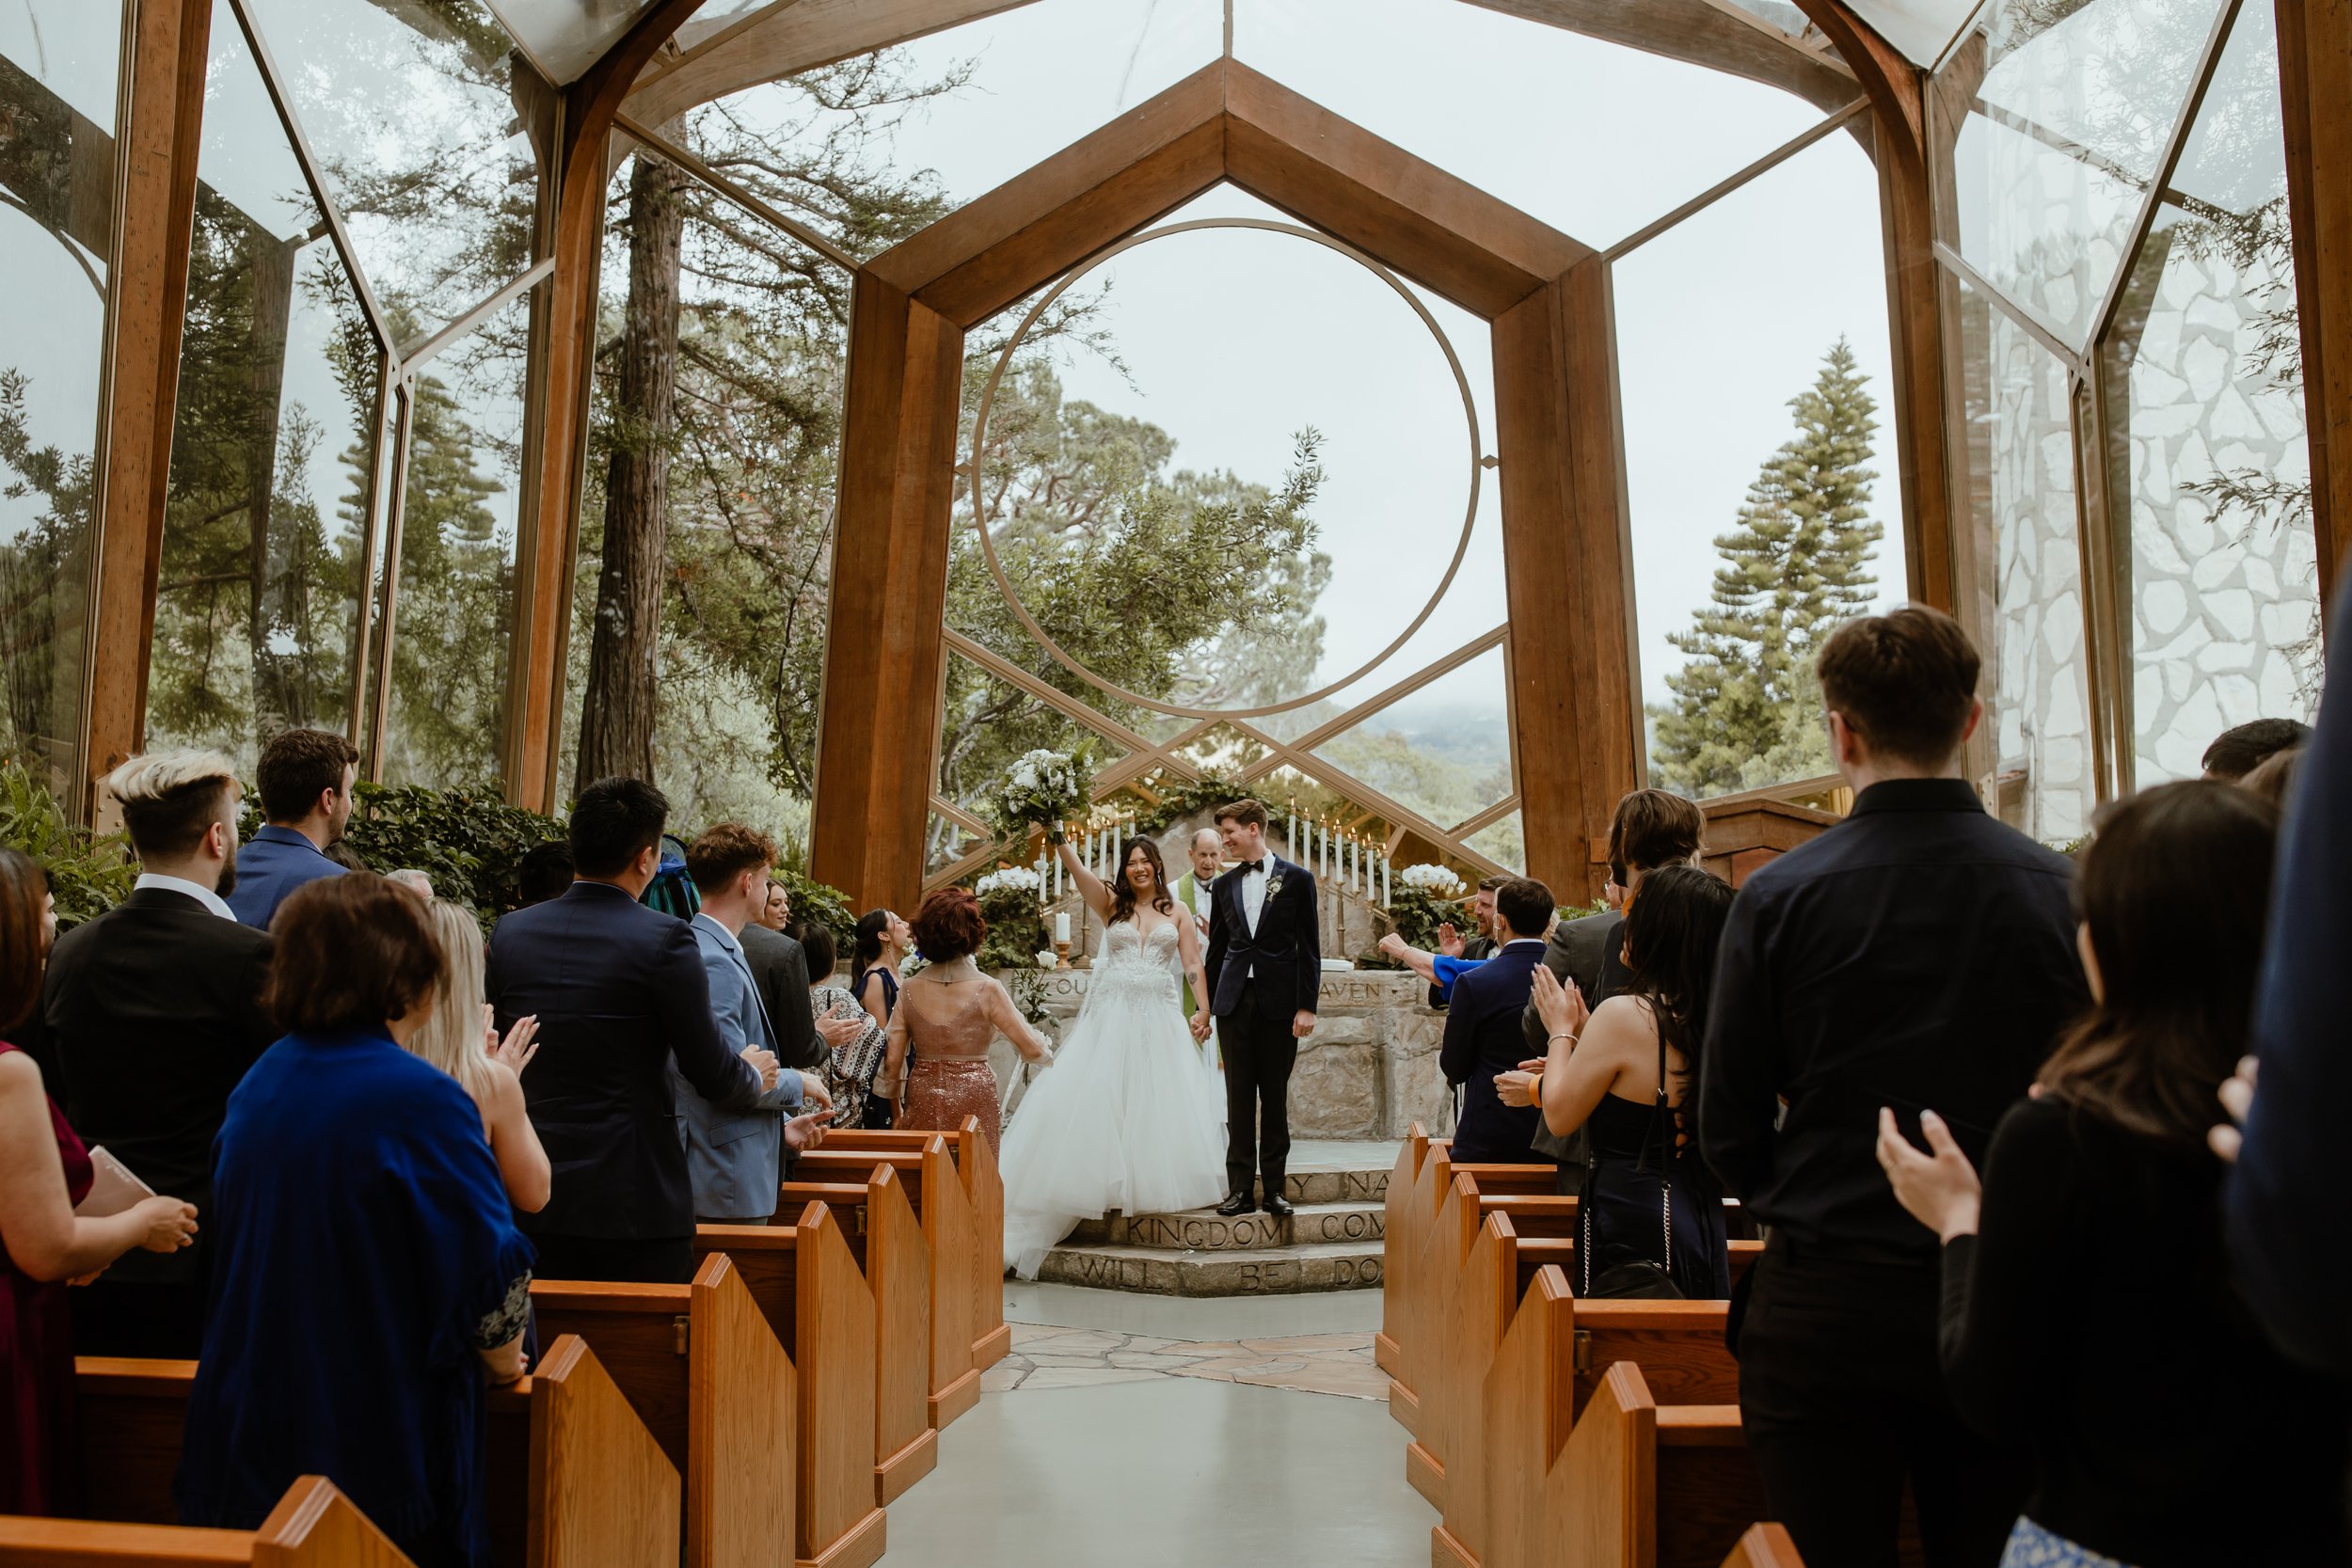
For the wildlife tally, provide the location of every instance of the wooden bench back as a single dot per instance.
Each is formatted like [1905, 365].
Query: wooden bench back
[808, 1289]
[975, 1161]
[1398, 1238]
[570, 1465]
[712, 1384]
[887, 1238]
[313, 1526]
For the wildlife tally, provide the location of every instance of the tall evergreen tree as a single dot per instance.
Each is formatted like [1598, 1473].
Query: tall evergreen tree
[1746, 710]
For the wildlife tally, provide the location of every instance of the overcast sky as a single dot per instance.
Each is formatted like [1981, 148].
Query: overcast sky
[1233, 341]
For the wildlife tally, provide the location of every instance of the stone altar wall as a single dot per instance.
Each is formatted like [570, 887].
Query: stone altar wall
[1369, 1069]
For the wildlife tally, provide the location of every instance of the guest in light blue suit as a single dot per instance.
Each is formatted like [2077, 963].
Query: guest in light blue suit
[306, 779]
[734, 1158]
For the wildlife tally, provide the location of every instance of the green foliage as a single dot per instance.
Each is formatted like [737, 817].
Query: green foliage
[1746, 710]
[87, 875]
[1187, 799]
[814, 903]
[1016, 930]
[1415, 915]
[468, 841]
[42, 573]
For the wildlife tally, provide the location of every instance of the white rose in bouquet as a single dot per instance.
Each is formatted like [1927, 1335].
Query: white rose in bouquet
[1041, 790]
[1435, 880]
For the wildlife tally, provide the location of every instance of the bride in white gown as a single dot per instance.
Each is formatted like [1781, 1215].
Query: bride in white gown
[1131, 1116]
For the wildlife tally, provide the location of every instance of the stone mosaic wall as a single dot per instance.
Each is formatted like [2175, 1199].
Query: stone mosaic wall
[2224, 607]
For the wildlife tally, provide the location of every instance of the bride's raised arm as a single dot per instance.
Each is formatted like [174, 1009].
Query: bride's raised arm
[1091, 887]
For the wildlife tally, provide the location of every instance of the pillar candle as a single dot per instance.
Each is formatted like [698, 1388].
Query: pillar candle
[1293, 838]
[1384, 898]
[1061, 927]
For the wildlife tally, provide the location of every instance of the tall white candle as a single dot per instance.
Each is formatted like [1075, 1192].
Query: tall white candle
[1061, 927]
[1293, 838]
[1384, 898]
[1354, 864]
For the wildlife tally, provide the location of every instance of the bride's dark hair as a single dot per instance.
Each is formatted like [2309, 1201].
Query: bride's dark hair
[1124, 893]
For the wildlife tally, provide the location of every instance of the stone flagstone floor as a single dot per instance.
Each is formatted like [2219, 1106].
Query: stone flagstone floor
[1046, 1357]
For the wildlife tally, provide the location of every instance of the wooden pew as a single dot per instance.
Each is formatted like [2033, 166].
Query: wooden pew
[886, 1238]
[945, 1210]
[712, 1384]
[1400, 1235]
[808, 1288]
[575, 1479]
[1764, 1546]
[313, 1526]
[1601, 1500]
[984, 1186]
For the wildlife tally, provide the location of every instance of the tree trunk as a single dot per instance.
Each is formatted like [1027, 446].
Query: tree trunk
[616, 718]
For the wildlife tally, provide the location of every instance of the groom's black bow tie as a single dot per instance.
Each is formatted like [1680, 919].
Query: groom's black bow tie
[1259, 867]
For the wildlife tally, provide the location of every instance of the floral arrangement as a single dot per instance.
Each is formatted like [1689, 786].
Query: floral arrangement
[1040, 790]
[1436, 881]
[1010, 878]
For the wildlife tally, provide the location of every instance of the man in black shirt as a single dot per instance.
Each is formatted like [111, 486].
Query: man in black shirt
[1917, 956]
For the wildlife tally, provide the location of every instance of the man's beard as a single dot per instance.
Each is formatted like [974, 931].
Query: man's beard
[228, 878]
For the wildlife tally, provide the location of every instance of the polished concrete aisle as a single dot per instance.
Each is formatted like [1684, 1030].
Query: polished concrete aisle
[1162, 1436]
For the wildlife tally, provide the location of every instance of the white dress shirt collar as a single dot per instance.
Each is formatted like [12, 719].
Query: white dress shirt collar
[196, 891]
[727, 937]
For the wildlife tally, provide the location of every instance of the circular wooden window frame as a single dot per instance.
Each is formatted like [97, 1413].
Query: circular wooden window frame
[1180, 711]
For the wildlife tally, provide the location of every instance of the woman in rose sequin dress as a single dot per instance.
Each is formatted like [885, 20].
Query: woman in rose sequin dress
[947, 1014]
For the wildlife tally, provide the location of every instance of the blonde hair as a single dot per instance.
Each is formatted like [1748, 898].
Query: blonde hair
[171, 800]
[452, 1037]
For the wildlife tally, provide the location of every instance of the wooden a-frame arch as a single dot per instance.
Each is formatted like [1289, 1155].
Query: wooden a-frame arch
[1545, 296]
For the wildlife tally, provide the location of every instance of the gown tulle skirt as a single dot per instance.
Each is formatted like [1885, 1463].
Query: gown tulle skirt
[1131, 1116]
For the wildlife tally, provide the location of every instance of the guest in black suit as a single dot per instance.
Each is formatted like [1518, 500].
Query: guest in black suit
[618, 989]
[1482, 1030]
[152, 1014]
[1651, 828]
[1264, 969]
[1917, 955]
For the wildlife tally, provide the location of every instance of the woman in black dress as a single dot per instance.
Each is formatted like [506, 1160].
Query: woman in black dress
[2088, 1314]
[1651, 1216]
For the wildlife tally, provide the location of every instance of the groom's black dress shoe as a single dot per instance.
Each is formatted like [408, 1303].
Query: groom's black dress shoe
[1279, 1207]
[1236, 1205]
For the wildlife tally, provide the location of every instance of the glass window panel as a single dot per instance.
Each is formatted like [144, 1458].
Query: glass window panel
[1502, 842]
[2018, 451]
[1222, 752]
[1922, 29]
[568, 36]
[985, 722]
[746, 508]
[946, 840]
[1442, 751]
[454, 615]
[273, 454]
[2069, 111]
[58, 65]
[2210, 456]
[1786, 268]
[1502, 102]
[420, 135]
[716, 16]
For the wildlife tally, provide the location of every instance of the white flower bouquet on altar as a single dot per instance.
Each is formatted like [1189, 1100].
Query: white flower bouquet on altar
[1437, 881]
[1010, 878]
[1041, 789]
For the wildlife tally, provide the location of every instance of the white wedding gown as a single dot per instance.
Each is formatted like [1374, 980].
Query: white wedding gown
[1130, 1117]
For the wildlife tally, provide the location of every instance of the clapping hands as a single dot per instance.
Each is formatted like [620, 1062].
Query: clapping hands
[1561, 1008]
[804, 1132]
[841, 1031]
[520, 1044]
[1449, 941]
[765, 1064]
[2238, 1097]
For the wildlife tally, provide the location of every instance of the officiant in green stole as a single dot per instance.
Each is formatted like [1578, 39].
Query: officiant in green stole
[1207, 854]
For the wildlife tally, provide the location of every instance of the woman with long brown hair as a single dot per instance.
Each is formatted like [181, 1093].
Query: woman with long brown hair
[1131, 1119]
[2088, 1311]
[44, 1171]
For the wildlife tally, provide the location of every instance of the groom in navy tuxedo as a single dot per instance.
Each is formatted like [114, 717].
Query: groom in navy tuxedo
[1263, 968]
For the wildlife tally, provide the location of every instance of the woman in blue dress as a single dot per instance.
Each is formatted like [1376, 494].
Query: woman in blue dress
[369, 1279]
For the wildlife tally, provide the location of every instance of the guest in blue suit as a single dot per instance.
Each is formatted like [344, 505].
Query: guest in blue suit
[1483, 1035]
[368, 1274]
[620, 992]
[305, 782]
[734, 1158]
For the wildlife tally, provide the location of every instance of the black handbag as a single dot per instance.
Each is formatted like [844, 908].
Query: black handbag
[1635, 1278]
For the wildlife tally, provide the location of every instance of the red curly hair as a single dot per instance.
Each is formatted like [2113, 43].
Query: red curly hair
[949, 926]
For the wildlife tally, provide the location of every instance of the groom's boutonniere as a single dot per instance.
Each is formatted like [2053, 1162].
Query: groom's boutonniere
[1274, 887]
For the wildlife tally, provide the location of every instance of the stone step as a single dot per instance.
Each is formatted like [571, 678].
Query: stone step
[1345, 1185]
[1169, 1271]
[1206, 1230]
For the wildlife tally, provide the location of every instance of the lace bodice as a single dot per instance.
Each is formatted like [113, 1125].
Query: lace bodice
[1130, 960]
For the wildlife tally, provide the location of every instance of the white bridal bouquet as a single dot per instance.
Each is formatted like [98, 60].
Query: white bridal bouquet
[1010, 878]
[1435, 880]
[1041, 789]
